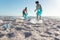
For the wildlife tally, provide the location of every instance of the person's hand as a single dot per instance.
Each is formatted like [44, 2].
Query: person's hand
[34, 10]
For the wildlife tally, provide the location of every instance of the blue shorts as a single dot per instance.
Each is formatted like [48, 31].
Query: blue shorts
[39, 12]
[25, 15]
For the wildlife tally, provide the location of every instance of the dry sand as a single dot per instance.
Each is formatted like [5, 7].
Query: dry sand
[24, 30]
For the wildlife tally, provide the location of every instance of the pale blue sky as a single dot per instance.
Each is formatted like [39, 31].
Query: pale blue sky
[15, 7]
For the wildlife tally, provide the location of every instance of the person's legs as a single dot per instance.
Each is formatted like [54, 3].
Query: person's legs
[25, 16]
[40, 13]
[40, 17]
[37, 16]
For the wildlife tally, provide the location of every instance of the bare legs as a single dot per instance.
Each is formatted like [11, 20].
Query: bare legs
[38, 18]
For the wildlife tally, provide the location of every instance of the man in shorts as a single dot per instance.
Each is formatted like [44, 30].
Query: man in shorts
[38, 9]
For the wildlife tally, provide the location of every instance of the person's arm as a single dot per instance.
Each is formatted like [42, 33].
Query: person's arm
[36, 8]
[26, 10]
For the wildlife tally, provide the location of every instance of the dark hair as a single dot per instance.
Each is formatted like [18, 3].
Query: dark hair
[37, 2]
[25, 7]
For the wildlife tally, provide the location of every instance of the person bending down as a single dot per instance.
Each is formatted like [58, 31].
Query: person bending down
[25, 14]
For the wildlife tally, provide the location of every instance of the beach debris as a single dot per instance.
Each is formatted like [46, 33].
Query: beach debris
[1, 35]
[56, 39]
[58, 26]
[1, 22]
[19, 28]
[27, 34]
[34, 21]
[18, 21]
[10, 35]
[6, 26]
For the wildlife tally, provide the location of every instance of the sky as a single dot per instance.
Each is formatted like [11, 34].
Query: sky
[15, 7]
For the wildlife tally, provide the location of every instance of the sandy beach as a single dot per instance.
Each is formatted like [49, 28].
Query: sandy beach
[19, 29]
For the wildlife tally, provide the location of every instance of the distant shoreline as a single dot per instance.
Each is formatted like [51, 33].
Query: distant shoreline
[51, 17]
